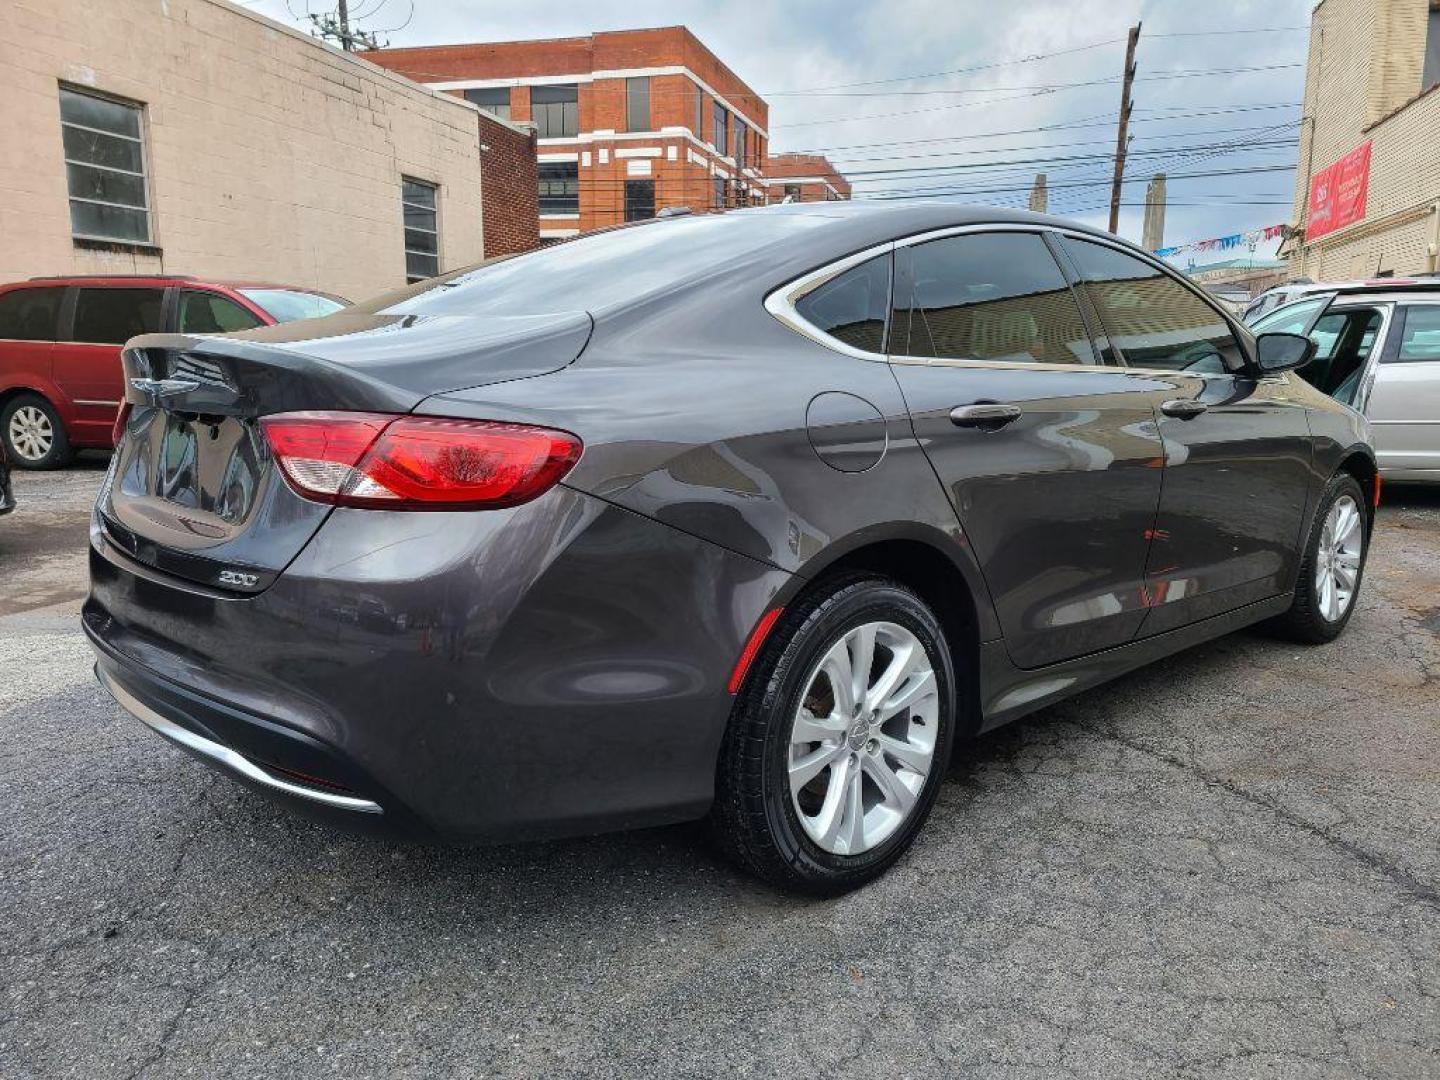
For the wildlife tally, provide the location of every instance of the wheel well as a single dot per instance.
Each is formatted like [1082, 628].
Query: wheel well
[16, 391]
[1362, 468]
[936, 580]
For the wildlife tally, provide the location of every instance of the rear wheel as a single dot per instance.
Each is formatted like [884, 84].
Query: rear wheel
[33, 433]
[1334, 563]
[838, 744]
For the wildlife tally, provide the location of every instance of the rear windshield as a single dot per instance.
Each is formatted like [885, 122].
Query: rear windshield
[288, 305]
[600, 270]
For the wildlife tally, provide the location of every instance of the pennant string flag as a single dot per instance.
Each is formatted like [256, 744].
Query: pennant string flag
[1224, 243]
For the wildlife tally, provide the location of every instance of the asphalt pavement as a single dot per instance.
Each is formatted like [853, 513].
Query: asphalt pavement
[1227, 865]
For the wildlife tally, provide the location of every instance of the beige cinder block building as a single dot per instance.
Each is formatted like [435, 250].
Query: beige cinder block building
[1373, 76]
[196, 137]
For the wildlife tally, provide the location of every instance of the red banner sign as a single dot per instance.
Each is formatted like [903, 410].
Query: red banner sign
[1338, 192]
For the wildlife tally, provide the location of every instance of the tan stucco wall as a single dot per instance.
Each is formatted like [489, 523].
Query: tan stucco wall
[1362, 82]
[270, 156]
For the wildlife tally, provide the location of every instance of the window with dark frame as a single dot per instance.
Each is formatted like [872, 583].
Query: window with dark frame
[637, 104]
[1431, 74]
[31, 314]
[740, 140]
[720, 137]
[719, 193]
[792, 191]
[105, 168]
[852, 306]
[114, 316]
[699, 113]
[559, 187]
[493, 99]
[422, 228]
[639, 200]
[555, 110]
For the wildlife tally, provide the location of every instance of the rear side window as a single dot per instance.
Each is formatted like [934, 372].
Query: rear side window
[30, 314]
[211, 313]
[991, 296]
[114, 316]
[1156, 321]
[851, 307]
[1420, 339]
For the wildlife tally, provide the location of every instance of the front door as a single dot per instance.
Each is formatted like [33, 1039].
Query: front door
[1237, 447]
[1404, 403]
[1050, 458]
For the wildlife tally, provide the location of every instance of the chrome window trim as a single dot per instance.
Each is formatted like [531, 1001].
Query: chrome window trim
[781, 302]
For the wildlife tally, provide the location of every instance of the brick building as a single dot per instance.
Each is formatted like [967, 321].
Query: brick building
[1367, 190]
[804, 178]
[628, 122]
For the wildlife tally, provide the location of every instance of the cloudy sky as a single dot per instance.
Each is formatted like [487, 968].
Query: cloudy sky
[943, 98]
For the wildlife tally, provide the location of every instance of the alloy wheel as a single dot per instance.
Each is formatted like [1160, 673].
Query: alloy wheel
[30, 432]
[863, 738]
[1337, 560]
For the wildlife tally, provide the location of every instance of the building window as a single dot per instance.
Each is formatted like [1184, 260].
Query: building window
[1432, 48]
[639, 199]
[720, 137]
[719, 201]
[559, 187]
[699, 113]
[637, 104]
[792, 192]
[740, 141]
[105, 168]
[422, 229]
[493, 99]
[556, 111]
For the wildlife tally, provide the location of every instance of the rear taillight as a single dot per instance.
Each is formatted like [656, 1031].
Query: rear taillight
[417, 462]
[121, 418]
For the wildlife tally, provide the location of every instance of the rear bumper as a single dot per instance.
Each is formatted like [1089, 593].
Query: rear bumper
[553, 669]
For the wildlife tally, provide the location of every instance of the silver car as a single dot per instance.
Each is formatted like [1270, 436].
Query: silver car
[1378, 350]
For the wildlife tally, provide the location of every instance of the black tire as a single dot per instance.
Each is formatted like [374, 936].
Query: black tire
[59, 453]
[1305, 622]
[754, 820]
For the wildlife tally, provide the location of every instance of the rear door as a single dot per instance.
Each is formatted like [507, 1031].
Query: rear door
[87, 361]
[1049, 456]
[1237, 447]
[1404, 402]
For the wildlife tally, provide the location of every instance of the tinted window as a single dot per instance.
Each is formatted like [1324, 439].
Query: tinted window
[555, 110]
[996, 296]
[639, 200]
[851, 306]
[114, 316]
[637, 104]
[1154, 320]
[1290, 319]
[30, 314]
[1421, 337]
[211, 313]
[288, 305]
[493, 99]
[559, 187]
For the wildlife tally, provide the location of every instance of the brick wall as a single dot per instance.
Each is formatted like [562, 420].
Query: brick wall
[811, 171]
[509, 187]
[269, 155]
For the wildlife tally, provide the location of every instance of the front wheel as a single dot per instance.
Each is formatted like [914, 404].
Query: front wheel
[838, 744]
[1332, 567]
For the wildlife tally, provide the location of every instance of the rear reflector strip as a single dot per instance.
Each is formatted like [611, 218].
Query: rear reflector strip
[752, 648]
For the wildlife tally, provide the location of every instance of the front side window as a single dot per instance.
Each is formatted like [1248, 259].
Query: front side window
[114, 316]
[559, 187]
[720, 137]
[422, 228]
[989, 296]
[30, 314]
[639, 200]
[555, 110]
[1420, 340]
[493, 99]
[851, 307]
[1154, 320]
[637, 104]
[104, 168]
[291, 305]
[211, 313]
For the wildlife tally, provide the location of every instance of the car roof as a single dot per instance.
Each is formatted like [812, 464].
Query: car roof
[154, 279]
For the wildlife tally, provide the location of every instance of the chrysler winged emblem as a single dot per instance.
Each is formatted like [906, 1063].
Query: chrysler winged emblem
[155, 389]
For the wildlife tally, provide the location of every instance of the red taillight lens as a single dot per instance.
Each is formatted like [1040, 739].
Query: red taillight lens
[121, 418]
[417, 462]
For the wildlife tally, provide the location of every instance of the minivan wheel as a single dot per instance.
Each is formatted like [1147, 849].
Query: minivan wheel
[33, 432]
[839, 741]
[1334, 564]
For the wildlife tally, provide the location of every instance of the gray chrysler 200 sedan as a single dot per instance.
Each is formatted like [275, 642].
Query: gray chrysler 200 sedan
[753, 515]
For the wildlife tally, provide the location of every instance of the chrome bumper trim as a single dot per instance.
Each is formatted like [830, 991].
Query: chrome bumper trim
[227, 757]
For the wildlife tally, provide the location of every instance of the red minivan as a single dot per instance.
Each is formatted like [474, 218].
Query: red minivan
[60, 338]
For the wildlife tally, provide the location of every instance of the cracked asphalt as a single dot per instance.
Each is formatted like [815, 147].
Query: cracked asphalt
[1227, 865]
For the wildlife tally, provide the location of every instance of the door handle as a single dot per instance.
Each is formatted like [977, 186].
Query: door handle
[1184, 408]
[989, 416]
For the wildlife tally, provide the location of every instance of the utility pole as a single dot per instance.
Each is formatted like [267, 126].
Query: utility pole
[1122, 135]
[336, 26]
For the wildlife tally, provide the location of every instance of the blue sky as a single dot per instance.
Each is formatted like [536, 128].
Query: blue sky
[962, 94]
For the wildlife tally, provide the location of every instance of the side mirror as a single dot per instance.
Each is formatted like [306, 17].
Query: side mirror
[1282, 352]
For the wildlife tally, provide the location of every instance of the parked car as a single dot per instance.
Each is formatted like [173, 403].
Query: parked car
[751, 515]
[1280, 295]
[1378, 350]
[7, 493]
[60, 338]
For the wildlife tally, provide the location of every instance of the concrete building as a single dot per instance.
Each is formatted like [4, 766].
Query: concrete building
[629, 122]
[1367, 193]
[804, 178]
[1152, 231]
[194, 136]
